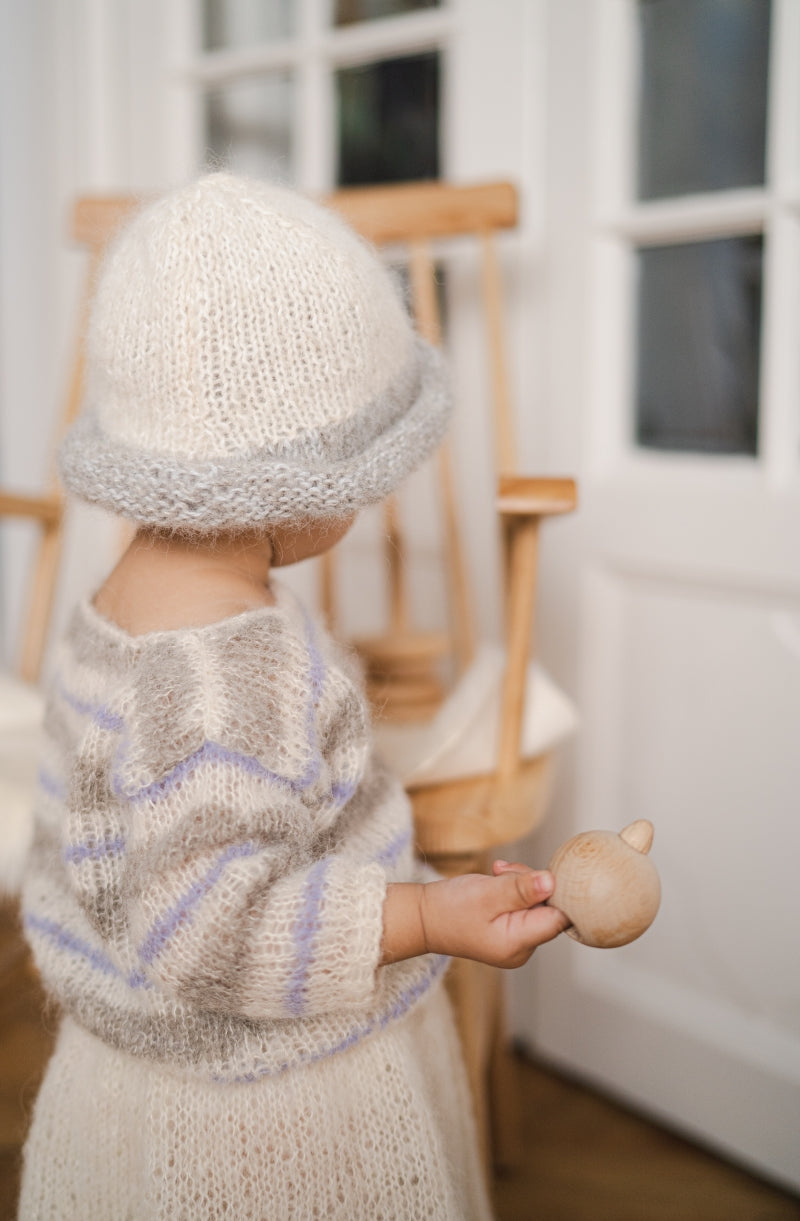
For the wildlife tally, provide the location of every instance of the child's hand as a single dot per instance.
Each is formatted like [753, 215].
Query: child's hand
[499, 920]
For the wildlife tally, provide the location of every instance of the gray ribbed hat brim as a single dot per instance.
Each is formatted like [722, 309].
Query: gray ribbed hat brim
[327, 475]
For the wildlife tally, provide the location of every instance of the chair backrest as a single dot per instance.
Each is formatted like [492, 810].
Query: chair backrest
[94, 220]
[418, 214]
[419, 219]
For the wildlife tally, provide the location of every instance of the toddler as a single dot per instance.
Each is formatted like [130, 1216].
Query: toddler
[222, 896]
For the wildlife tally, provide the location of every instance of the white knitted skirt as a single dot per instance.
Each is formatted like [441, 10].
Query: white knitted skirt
[381, 1132]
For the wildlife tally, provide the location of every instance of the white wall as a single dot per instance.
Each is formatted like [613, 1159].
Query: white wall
[30, 337]
[81, 111]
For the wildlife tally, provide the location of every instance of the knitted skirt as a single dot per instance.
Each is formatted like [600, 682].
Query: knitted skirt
[380, 1132]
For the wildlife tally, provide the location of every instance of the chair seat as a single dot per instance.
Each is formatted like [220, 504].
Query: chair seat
[21, 710]
[462, 739]
[463, 820]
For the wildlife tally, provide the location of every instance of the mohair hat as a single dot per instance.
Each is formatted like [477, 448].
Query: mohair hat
[250, 362]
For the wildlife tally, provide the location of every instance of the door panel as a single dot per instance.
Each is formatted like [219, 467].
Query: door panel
[673, 376]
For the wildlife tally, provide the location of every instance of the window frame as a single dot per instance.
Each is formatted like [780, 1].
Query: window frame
[313, 54]
[620, 225]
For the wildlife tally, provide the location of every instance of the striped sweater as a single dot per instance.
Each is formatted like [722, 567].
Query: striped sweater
[213, 843]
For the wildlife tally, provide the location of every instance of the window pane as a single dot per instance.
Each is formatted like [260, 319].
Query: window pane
[703, 96]
[237, 23]
[364, 10]
[698, 346]
[389, 120]
[248, 126]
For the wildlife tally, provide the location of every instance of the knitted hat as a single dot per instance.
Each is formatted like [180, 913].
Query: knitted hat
[250, 363]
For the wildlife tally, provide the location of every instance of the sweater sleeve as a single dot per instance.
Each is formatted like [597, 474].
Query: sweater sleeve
[237, 928]
[241, 890]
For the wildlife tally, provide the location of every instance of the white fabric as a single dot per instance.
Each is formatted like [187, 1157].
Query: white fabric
[234, 314]
[463, 738]
[21, 705]
[381, 1132]
[21, 711]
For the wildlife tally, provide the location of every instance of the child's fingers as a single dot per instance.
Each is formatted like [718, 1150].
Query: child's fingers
[524, 887]
[499, 867]
[527, 930]
[543, 923]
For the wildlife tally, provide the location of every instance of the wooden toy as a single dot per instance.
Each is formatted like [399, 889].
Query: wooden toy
[607, 885]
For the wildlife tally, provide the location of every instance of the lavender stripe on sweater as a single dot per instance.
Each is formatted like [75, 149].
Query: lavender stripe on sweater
[65, 940]
[305, 931]
[99, 713]
[93, 850]
[166, 927]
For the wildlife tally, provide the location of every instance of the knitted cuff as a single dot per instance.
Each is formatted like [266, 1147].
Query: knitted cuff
[328, 475]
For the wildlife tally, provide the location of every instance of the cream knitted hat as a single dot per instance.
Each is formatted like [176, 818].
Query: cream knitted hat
[250, 362]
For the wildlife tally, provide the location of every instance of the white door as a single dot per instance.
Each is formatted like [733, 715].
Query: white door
[673, 600]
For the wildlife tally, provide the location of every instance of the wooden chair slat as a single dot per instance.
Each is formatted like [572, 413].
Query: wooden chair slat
[45, 509]
[395, 550]
[505, 440]
[41, 602]
[96, 218]
[523, 553]
[517, 495]
[384, 214]
[423, 292]
[461, 615]
[413, 211]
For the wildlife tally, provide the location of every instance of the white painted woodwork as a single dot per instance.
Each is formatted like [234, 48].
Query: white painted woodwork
[672, 611]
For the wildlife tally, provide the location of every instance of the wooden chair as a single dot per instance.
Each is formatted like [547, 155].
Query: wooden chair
[459, 820]
[93, 222]
[20, 703]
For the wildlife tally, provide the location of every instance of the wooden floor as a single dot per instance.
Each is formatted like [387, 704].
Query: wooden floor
[588, 1160]
[584, 1158]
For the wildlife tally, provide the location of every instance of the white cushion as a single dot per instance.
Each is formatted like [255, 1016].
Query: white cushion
[21, 709]
[21, 705]
[463, 738]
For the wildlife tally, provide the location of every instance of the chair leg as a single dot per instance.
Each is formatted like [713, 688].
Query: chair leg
[477, 994]
[41, 600]
[505, 1103]
[469, 985]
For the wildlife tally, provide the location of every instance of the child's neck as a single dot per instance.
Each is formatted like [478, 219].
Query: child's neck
[166, 582]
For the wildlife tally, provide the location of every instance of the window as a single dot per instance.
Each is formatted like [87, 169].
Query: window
[699, 220]
[322, 95]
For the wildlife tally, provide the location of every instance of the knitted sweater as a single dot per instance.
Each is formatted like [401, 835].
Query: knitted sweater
[213, 844]
[204, 899]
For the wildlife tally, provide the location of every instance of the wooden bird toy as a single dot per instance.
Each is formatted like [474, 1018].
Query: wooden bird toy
[607, 885]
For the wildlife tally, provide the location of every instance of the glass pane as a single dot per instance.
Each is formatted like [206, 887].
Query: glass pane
[698, 346]
[703, 102]
[248, 126]
[238, 23]
[389, 120]
[348, 11]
